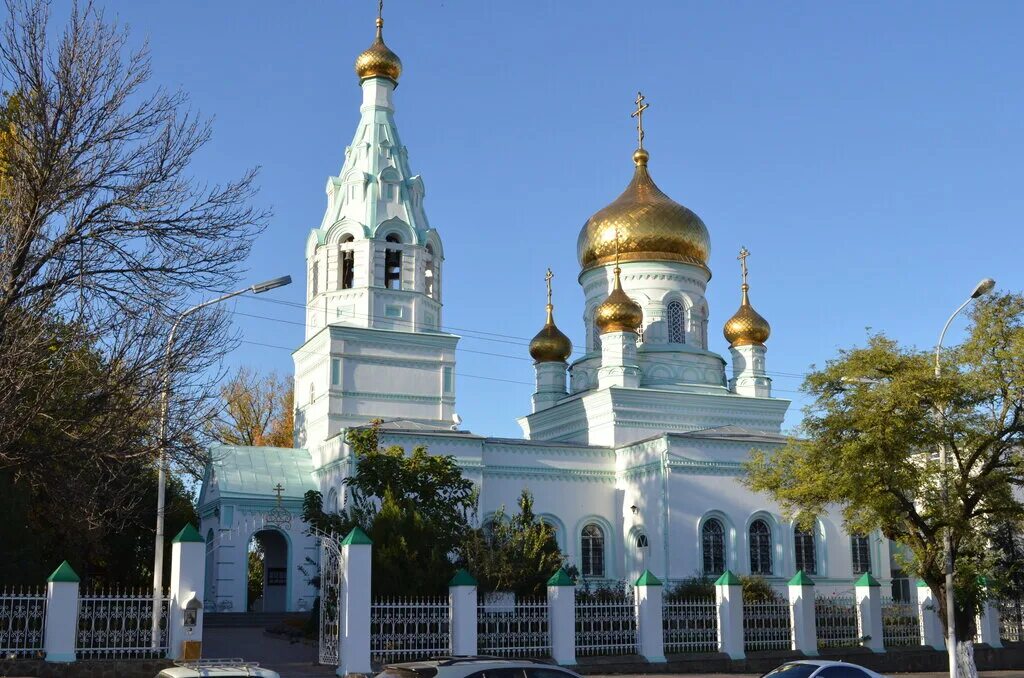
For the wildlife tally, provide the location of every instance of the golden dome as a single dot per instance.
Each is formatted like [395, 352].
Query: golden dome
[618, 313]
[746, 326]
[550, 345]
[651, 227]
[378, 61]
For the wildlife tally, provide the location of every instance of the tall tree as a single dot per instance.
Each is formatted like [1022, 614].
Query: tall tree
[869, 443]
[257, 410]
[105, 236]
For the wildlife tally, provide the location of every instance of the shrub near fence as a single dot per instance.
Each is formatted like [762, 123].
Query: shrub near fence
[900, 623]
[119, 625]
[518, 630]
[22, 622]
[606, 624]
[690, 625]
[835, 619]
[409, 628]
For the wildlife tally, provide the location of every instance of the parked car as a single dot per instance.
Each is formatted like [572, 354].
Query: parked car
[814, 668]
[217, 668]
[476, 667]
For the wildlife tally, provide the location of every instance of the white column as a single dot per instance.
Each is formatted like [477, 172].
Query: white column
[462, 606]
[550, 384]
[355, 621]
[649, 626]
[61, 614]
[188, 581]
[562, 618]
[729, 600]
[619, 366]
[801, 611]
[748, 371]
[932, 634]
[869, 612]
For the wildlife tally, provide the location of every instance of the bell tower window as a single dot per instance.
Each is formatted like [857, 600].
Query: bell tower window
[676, 318]
[348, 264]
[428, 273]
[393, 264]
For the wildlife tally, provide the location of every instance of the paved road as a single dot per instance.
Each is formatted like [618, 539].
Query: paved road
[983, 674]
[291, 660]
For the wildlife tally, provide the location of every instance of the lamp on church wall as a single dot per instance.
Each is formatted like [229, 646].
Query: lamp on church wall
[634, 509]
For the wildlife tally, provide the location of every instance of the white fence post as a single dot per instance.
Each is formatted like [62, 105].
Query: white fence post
[61, 614]
[928, 615]
[562, 618]
[650, 628]
[188, 582]
[869, 612]
[462, 602]
[355, 620]
[729, 601]
[801, 611]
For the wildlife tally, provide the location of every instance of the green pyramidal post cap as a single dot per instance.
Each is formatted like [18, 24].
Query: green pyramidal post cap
[922, 584]
[560, 578]
[728, 579]
[801, 579]
[64, 573]
[866, 580]
[462, 578]
[648, 579]
[188, 534]
[356, 536]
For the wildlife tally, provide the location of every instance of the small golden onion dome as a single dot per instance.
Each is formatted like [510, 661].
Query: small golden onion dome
[550, 345]
[378, 61]
[618, 313]
[746, 326]
[650, 225]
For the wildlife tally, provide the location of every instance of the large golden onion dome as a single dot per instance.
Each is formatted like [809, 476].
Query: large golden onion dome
[378, 61]
[550, 345]
[746, 326]
[618, 313]
[651, 227]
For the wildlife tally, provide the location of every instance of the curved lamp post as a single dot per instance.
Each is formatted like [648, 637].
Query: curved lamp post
[158, 556]
[982, 288]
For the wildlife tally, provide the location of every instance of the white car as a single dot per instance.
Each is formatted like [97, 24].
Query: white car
[814, 668]
[476, 667]
[217, 668]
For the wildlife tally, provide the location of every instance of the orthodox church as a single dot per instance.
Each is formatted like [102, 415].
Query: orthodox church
[633, 452]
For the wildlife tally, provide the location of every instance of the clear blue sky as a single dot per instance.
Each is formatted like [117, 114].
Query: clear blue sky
[869, 155]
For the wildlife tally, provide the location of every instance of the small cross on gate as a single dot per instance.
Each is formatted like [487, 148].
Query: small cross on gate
[278, 489]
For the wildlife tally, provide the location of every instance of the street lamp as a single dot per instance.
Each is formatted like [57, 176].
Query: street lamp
[158, 556]
[982, 288]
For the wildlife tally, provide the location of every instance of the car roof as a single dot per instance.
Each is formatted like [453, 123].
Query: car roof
[217, 669]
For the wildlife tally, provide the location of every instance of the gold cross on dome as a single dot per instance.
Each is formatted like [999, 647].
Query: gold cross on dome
[547, 278]
[380, 8]
[278, 489]
[639, 115]
[744, 253]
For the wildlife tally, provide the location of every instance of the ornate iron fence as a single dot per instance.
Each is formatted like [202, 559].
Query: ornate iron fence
[766, 625]
[1011, 620]
[409, 628]
[606, 626]
[518, 630]
[690, 625]
[901, 626]
[22, 622]
[835, 619]
[121, 625]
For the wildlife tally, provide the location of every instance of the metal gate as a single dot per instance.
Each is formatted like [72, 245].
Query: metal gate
[331, 600]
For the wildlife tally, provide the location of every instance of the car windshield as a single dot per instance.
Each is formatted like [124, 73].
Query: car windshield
[792, 671]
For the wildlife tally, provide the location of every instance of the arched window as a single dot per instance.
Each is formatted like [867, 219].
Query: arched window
[348, 264]
[592, 549]
[393, 264]
[641, 542]
[428, 273]
[332, 501]
[804, 551]
[860, 553]
[760, 548]
[676, 317]
[597, 336]
[314, 278]
[713, 545]
[312, 393]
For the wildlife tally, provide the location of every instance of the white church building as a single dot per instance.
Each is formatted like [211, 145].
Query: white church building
[633, 452]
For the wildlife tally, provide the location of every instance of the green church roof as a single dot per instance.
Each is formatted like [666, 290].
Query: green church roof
[252, 472]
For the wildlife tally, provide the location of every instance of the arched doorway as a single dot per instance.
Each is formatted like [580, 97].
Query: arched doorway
[267, 589]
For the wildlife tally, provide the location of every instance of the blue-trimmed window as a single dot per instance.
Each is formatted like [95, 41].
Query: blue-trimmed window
[860, 553]
[449, 380]
[760, 548]
[806, 553]
[592, 550]
[713, 546]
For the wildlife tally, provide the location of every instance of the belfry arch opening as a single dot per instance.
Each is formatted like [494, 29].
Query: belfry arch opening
[393, 263]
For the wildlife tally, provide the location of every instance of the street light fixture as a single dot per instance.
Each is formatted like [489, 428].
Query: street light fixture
[158, 555]
[983, 287]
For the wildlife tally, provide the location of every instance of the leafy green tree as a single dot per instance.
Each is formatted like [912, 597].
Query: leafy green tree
[869, 440]
[416, 507]
[516, 553]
